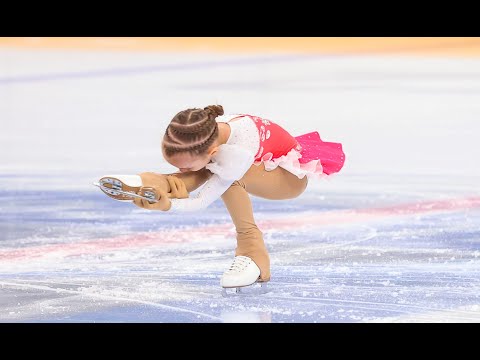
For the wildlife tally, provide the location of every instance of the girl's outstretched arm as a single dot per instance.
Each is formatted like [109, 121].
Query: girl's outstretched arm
[212, 190]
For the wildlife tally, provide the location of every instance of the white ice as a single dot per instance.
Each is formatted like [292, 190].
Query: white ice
[394, 237]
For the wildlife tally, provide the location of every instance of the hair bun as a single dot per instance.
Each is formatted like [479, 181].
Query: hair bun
[217, 110]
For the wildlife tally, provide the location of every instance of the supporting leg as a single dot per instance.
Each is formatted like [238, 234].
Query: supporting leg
[249, 238]
[278, 184]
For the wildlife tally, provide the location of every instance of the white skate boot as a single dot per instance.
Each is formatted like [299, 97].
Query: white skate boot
[124, 187]
[243, 272]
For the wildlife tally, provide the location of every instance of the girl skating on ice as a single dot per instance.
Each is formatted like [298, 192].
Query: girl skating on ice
[232, 156]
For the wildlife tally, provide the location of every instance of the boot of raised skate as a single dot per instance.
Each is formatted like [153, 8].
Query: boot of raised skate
[126, 187]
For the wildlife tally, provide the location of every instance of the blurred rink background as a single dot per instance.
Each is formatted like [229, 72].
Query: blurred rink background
[393, 237]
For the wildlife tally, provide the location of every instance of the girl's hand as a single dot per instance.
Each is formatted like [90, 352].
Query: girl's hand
[163, 203]
[177, 188]
[165, 182]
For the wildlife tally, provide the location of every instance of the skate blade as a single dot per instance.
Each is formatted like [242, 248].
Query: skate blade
[118, 190]
[247, 290]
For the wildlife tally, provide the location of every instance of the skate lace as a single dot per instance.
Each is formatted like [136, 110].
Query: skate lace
[239, 264]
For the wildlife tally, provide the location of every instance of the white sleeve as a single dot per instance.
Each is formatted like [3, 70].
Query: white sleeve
[230, 164]
[211, 191]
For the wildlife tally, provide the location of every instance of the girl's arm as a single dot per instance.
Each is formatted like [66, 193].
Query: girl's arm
[212, 190]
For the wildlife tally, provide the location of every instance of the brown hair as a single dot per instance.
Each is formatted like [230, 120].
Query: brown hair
[192, 130]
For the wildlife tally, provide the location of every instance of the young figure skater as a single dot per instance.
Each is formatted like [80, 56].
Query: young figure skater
[232, 156]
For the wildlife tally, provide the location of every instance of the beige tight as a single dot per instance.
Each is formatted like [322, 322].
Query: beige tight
[278, 184]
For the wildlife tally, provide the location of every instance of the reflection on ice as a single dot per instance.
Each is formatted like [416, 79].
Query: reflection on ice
[246, 316]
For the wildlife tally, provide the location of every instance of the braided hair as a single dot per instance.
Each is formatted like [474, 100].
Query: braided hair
[192, 130]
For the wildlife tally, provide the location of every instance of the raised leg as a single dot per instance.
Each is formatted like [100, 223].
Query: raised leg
[278, 184]
[192, 179]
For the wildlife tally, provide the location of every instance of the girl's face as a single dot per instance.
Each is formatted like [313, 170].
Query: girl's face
[187, 162]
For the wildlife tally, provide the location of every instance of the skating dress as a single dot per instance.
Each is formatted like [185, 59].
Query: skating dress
[256, 141]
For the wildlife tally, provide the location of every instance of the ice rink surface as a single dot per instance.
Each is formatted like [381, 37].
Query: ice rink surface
[393, 237]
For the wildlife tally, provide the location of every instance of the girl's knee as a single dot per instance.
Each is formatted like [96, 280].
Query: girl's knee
[305, 184]
[298, 190]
